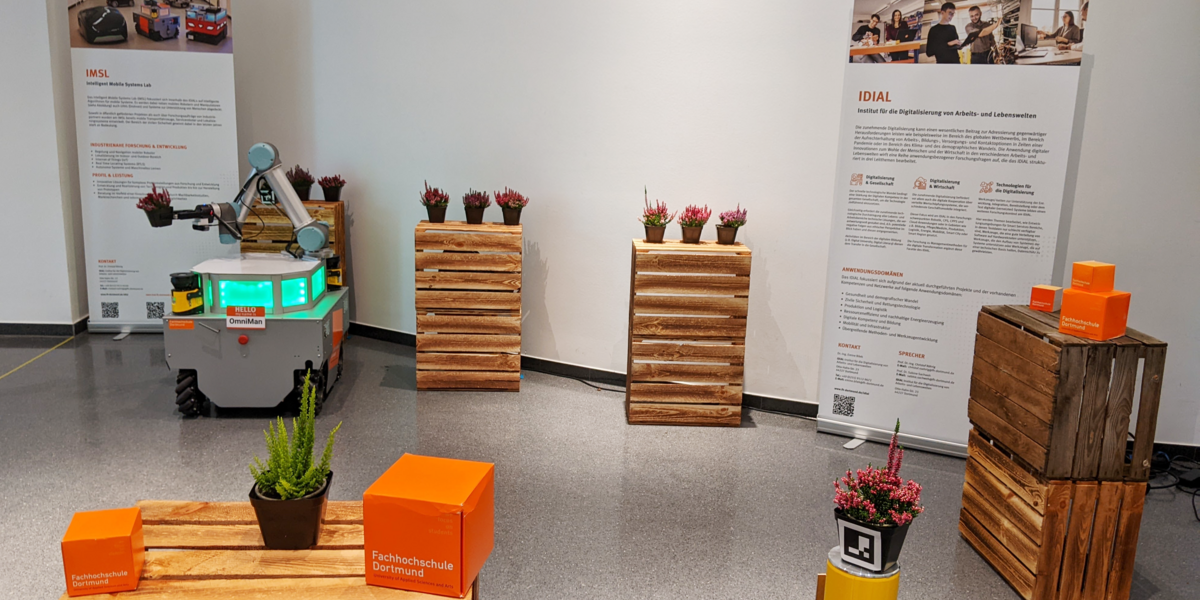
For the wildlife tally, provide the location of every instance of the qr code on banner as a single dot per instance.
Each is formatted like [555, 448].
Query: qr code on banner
[154, 310]
[843, 405]
[110, 310]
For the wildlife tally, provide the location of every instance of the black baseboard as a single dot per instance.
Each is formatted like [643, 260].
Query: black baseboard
[1173, 450]
[775, 405]
[46, 329]
[379, 333]
[553, 367]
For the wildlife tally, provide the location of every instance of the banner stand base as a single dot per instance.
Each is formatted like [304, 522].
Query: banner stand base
[878, 435]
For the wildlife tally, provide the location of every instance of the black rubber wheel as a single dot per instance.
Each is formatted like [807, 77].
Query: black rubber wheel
[189, 400]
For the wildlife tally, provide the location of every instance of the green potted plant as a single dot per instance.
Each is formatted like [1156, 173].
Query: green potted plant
[435, 202]
[731, 220]
[475, 203]
[510, 204]
[302, 181]
[332, 187]
[873, 509]
[157, 206]
[290, 491]
[655, 219]
[692, 222]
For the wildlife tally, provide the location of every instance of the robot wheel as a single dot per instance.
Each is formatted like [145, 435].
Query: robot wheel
[189, 400]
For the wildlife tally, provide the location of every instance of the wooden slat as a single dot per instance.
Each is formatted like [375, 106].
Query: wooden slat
[1120, 405]
[456, 342]
[342, 588]
[691, 305]
[682, 393]
[1143, 445]
[996, 555]
[669, 372]
[1032, 325]
[1079, 537]
[467, 242]
[468, 324]
[181, 512]
[463, 226]
[1065, 419]
[469, 380]
[1016, 510]
[629, 338]
[706, 353]
[1005, 531]
[450, 280]
[1028, 373]
[231, 537]
[1129, 524]
[433, 300]
[820, 586]
[684, 263]
[1036, 402]
[1010, 412]
[1104, 531]
[1025, 485]
[708, 285]
[705, 247]
[463, 361]
[1054, 538]
[1006, 434]
[1033, 349]
[684, 414]
[252, 564]
[1142, 338]
[1092, 412]
[454, 261]
[689, 328]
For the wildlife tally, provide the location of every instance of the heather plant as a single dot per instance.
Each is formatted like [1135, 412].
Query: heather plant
[299, 177]
[332, 182]
[880, 496]
[510, 199]
[733, 218]
[657, 215]
[290, 471]
[155, 199]
[474, 199]
[694, 216]
[434, 196]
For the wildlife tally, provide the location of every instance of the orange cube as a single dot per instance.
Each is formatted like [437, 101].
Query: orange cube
[1094, 315]
[1092, 276]
[428, 524]
[1044, 297]
[103, 551]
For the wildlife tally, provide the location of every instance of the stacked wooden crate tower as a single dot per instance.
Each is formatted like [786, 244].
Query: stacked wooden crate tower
[1054, 490]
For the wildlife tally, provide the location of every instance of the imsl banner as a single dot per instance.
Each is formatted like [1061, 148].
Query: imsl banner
[955, 130]
[154, 108]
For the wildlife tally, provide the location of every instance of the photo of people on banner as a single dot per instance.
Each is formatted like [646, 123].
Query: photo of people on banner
[987, 32]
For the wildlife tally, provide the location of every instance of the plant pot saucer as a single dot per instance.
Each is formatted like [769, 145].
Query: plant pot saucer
[835, 559]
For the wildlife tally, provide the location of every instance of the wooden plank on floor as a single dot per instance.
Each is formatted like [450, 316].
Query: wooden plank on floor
[510, 325]
[992, 551]
[676, 372]
[708, 285]
[1012, 413]
[469, 380]
[1033, 349]
[1006, 434]
[1104, 532]
[680, 393]
[1120, 407]
[1054, 538]
[233, 537]
[463, 361]
[434, 300]
[1022, 483]
[1023, 370]
[455, 342]
[181, 512]
[252, 564]
[1092, 412]
[1143, 445]
[1079, 539]
[1129, 524]
[313, 588]
[1036, 402]
[706, 353]
[462, 242]
[684, 414]
[683, 263]
[1065, 418]
[454, 261]
[1014, 509]
[689, 327]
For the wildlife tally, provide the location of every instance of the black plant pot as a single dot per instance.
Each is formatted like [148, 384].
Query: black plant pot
[290, 524]
[654, 235]
[691, 235]
[726, 235]
[160, 216]
[512, 216]
[437, 214]
[875, 548]
[332, 194]
[475, 215]
[302, 191]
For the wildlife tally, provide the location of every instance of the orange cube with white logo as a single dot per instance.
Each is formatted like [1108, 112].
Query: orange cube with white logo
[1094, 315]
[1044, 297]
[103, 551]
[1093, 276]
[429, 524]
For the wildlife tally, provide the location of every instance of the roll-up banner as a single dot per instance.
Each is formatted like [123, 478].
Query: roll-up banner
[154, 109]
[956, 124]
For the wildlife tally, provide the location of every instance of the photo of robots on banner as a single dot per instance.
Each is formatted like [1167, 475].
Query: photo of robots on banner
[172, 25]
[988, 32]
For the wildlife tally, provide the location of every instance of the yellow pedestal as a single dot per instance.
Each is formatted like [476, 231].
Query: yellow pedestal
[848, 582]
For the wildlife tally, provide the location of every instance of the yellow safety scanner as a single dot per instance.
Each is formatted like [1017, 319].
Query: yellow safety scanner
[186, 297]
[844, 581]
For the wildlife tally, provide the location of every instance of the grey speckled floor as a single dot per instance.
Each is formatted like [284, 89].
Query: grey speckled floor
[587, 507]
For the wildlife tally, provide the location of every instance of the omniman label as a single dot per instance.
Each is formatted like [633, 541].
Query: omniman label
[245, 317]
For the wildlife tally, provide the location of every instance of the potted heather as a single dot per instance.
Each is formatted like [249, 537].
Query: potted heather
[874, 508]
[332, 187]
[290, 491]
[731, 220]
[157, 206]
[435, 202]
[302, 181]
[692, 222]
[510, 204]
[655, 219]
[475, 203]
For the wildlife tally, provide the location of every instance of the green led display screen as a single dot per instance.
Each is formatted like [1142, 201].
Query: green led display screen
[318, 283]
[247, 293]
[208, 294]
[295, 291]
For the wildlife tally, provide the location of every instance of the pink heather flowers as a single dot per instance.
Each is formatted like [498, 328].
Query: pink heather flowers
[155, 199]
[657, 215]
[510, 199]
[474, 199]
[880, 496]
[733, 218]
[694, 216]
[434, 196]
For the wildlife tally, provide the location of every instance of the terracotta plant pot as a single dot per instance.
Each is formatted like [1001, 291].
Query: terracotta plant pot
[161, 216]
[332, 194]
[875, 548]
[726, 235]
[512, 216]
[290, 524]
[475, 215]
[302, 191]
[437, 214]
[654, 235]
[691, 235]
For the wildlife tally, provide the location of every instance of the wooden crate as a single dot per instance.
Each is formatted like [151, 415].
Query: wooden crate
[468, 299]
[1050, 539]
[272, 234]
[211, 550]
[1061, 405]
[687, 333]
